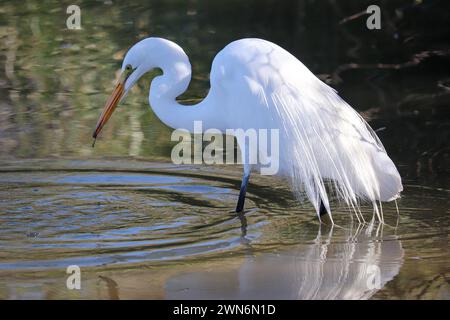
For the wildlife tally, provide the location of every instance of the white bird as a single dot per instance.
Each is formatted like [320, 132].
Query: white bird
[325, 144]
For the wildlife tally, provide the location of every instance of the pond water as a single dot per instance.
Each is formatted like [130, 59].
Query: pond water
[140, 227]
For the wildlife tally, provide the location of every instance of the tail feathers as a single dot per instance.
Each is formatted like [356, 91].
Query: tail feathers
[327, 143]
[390, 182]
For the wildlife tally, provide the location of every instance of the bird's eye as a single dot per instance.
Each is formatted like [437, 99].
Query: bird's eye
[128, 67]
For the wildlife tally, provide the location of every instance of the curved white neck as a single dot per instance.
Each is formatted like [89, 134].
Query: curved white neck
[166, 88]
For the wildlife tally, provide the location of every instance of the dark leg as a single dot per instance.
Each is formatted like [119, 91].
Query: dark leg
[241, 200]
[243, 220]
[322, 210]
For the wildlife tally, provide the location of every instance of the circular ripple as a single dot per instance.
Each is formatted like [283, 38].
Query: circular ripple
[93, 214]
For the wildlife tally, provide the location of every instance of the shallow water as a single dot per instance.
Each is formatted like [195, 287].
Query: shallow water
[141, 227]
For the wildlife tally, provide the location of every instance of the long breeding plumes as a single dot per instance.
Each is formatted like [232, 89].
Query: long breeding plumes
[331, 147]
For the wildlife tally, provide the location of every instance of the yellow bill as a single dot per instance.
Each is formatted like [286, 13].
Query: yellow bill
[109, 108]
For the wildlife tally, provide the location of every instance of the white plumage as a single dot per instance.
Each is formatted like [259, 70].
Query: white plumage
[325, 145]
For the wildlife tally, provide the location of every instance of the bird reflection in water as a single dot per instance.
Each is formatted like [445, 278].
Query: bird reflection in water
[352, 267]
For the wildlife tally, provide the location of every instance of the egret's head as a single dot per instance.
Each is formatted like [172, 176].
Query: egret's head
[144, 56]
[134, 66]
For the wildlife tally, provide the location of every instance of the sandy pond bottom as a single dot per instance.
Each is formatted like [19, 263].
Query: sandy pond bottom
[158, 231]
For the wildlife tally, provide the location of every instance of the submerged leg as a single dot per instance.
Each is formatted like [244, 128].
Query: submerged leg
[322, 210]
[243, 191]
[323, 216]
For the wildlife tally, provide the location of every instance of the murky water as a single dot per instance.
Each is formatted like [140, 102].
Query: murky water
[141, 227]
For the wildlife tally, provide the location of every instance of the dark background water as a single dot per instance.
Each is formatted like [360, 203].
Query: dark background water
[54, 82]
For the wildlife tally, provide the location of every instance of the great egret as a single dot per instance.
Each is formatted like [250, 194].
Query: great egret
[257, 84]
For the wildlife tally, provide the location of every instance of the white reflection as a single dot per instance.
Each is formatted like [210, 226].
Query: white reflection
[351, 267]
